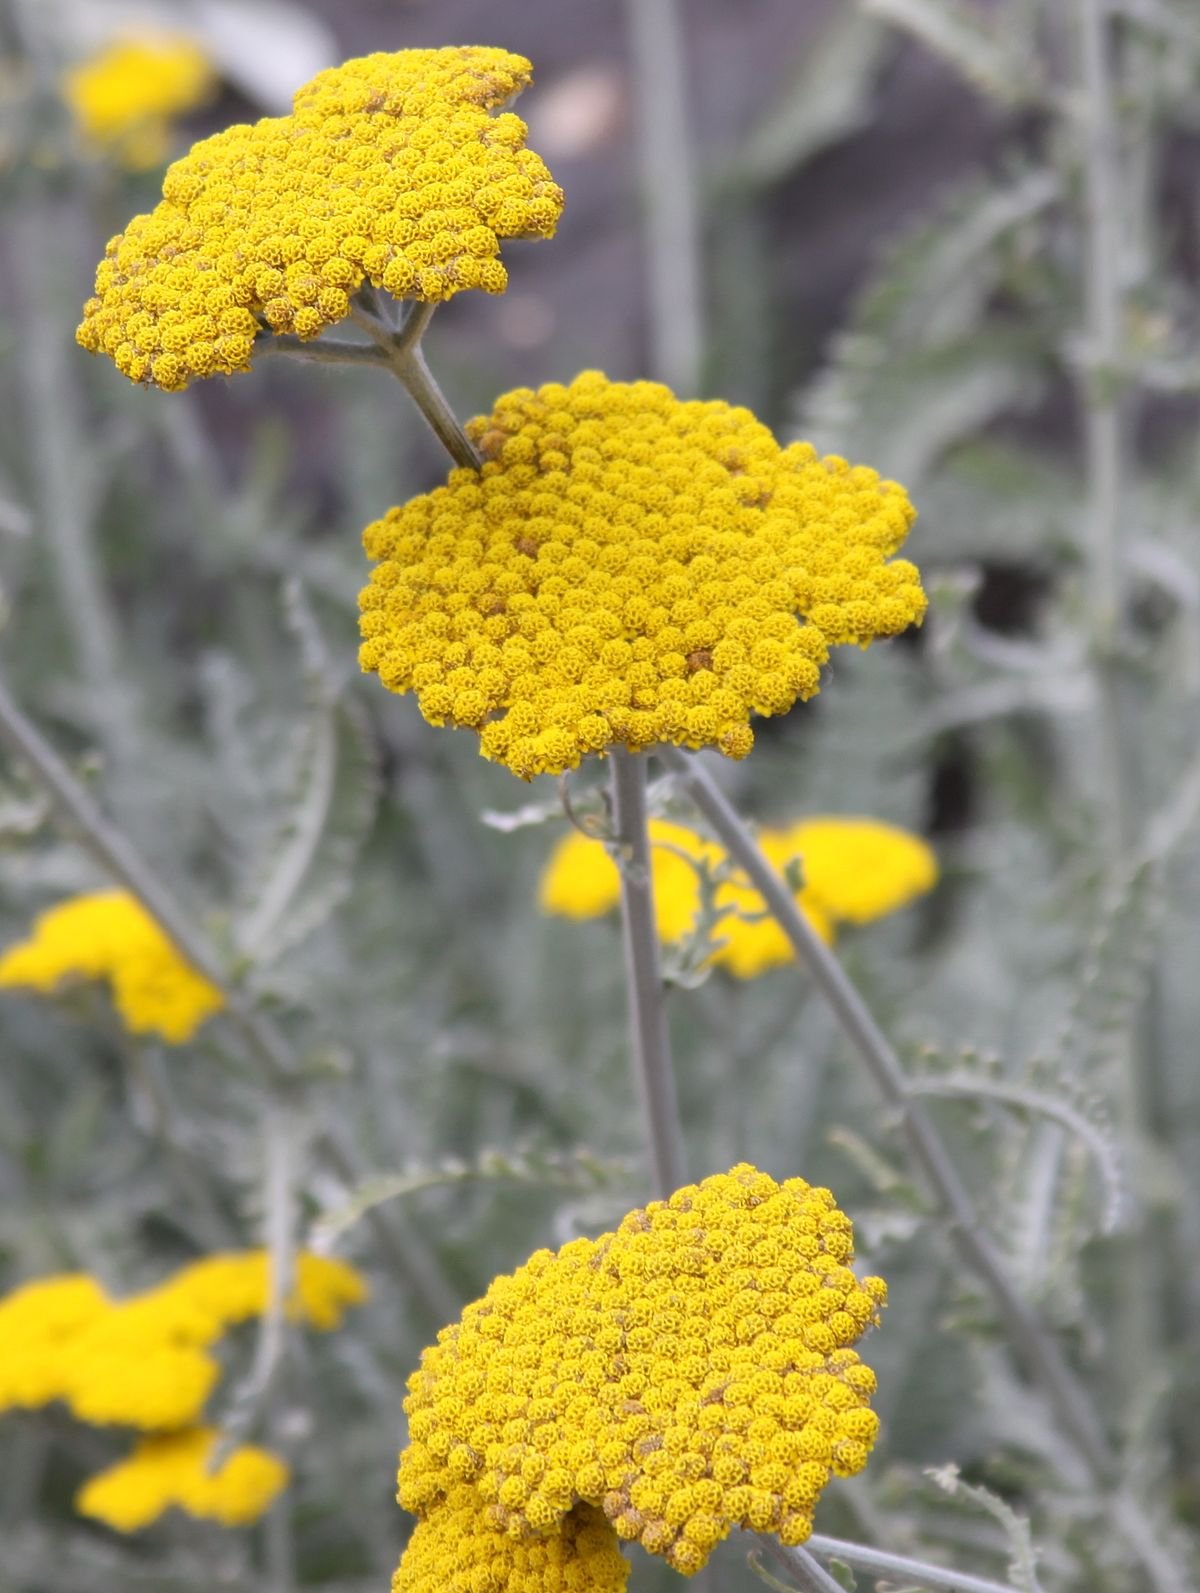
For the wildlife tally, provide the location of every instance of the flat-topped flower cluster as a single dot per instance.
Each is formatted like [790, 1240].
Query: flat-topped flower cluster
[688, 1374]
[628, 569]
[390, 169]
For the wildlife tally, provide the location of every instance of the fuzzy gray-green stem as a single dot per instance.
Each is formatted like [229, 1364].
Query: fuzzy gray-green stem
[121, 861]
[651, 1050]
[404, 357]
[670, 221]
[1135, 1339]
[898, 1567]
[62, 475]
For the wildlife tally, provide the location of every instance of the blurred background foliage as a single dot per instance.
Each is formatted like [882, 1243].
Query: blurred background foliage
[897, 262]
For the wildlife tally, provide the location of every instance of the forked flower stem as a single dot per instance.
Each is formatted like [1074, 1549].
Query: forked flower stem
[402, 353]
[124, 864]
[651, 1050]
[925, 1144]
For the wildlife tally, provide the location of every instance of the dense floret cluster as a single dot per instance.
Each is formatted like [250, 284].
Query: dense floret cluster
[109, 935]
[125, 97]
[169, 1470]
[687, 1374]
[627, 568]
[391, 170]
[853, 870]
[456, 1550]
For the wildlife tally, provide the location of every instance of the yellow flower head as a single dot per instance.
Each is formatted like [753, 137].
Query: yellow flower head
[456, 1551]
[390, 169]
[36, 1322]
[172, 1469]
[109, 935]
[625, 569]
[687, 1374]
[125, 97]
[145, 1361]
[854, 871]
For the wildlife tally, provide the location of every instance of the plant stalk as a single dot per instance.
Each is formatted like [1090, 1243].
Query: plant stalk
[63, 475]
[1034, 1344]
[120, 860]
[1106, 428]
[901, 1568]
[651, 1049]
[401, 351]
[669, 213]
[925, 1143]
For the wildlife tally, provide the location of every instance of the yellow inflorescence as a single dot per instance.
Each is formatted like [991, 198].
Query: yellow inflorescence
[854, 871]
[391, 169]
[109, 935]
[146, 1361]
[172, 1469]
[687, 1374]
[455, 1550]
[625, 569]
[125, 97]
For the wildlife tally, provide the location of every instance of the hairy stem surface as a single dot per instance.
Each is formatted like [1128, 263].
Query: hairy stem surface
[651, 1049]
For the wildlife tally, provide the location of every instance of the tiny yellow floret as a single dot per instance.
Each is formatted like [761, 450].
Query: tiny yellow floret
[854, 870]
[687, 1374]
[391, 169]
[172, 1469]
[109, 935]
[627, 569]
[125, 96]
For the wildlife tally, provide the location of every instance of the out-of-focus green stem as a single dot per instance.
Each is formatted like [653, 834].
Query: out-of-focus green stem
[1105, 406]
[670, 221]
[263, 1041]
[1101, 394]
[651, 1049]
[61, 472]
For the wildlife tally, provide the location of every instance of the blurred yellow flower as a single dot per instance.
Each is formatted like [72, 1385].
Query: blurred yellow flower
[391, 169]
[687, 1374]
[145, 1361]
[172, 1469]
[629, 569]
[109, 935]
[125, 97]
[854, 870]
